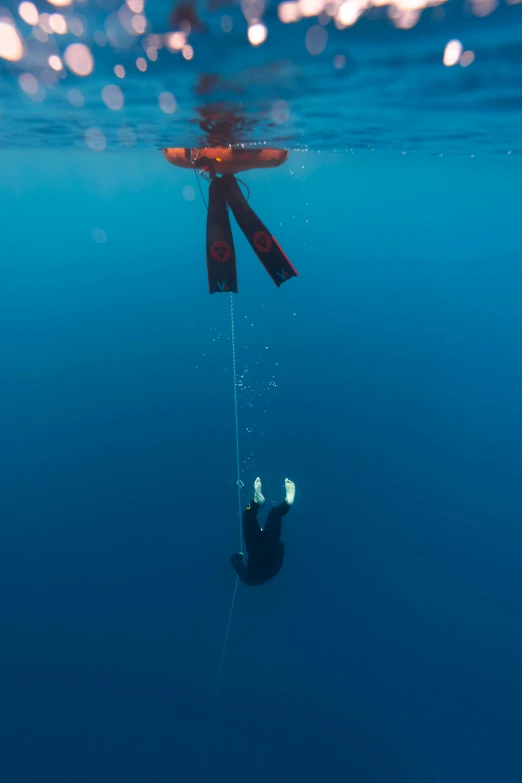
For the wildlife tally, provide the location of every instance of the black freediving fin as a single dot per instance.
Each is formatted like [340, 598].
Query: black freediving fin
[263, 243]
[221, 256]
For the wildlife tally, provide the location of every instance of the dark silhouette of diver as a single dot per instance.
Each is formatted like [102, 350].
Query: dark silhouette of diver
[263, 545]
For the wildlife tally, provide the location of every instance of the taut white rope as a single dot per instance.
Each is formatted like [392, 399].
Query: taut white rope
[239, 487]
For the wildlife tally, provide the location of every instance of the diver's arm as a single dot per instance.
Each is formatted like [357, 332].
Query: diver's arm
[239, 567]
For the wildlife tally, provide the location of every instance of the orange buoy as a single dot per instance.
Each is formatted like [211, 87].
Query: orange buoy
[225, 160]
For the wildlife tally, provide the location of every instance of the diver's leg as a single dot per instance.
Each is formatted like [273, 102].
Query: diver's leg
[258, 492]
[251, 530]
[290, 491]
[272, 528]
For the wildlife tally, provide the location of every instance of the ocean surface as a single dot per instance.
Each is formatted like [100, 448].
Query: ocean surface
[385, 380]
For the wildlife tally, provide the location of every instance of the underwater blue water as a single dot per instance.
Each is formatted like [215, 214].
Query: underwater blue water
[385, 380]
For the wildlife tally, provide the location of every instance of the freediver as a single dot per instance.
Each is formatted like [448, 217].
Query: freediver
[263, 545]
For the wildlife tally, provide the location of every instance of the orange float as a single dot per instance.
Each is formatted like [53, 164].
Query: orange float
[225, 160]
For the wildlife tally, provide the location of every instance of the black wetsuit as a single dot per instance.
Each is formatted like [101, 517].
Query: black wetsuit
[265, 548]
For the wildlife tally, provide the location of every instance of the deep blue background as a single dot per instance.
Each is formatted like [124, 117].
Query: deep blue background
[389, 647]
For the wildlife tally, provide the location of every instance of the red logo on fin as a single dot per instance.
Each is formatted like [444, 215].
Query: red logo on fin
[220, 251]
[262, 241]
